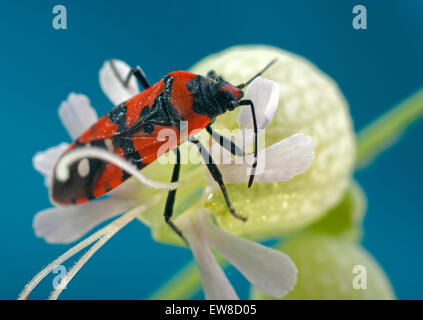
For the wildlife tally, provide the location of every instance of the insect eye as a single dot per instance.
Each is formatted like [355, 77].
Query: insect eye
[211, 74]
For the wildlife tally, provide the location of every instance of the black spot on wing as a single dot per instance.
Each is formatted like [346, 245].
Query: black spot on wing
[148, 128]
[131, 154]
[162, 111]
[96, 168]
[118, 116]
[77, 187]
[144, 112]
[122, 139]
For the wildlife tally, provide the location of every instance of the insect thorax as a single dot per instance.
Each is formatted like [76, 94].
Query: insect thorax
[208, 100]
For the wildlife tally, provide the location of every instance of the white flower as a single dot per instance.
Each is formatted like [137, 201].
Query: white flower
[280, 161]
[269, 270]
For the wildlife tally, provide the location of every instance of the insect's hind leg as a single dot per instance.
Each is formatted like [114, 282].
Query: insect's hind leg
[217, 176]
[170, 202]
[137, 72]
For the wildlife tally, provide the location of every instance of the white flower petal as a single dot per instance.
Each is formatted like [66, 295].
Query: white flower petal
[67, 224]
[279, 162]
[44, 161]
[111, 83]
[76, 114]
[269, 270]
[215, 283]
[265, 95]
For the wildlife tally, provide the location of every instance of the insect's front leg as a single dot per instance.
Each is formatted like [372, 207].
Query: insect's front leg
[225, 142]
[253, 113]
[170, 202]
[137, 72]
[217, 176]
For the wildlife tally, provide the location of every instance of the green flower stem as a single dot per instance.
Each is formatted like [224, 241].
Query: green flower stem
[371, 141]
[184, 284]
[384, 131]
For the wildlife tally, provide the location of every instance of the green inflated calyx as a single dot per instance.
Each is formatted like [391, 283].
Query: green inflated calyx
[345, 219]
[333, 268]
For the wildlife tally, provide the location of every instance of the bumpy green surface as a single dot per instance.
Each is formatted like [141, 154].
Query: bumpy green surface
[309, 103]
[325, 270]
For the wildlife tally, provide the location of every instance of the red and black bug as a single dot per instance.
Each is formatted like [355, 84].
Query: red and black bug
[130, 130]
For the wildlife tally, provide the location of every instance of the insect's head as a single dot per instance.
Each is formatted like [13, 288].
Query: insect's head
[229, 95]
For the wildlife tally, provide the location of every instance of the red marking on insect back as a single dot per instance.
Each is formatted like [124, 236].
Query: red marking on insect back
[110, 177]
[236, 92]
[149, 149]
[182, 100]
[82, 200]
[144, 99]
[104, 128]
[72, 145]
[161, 140]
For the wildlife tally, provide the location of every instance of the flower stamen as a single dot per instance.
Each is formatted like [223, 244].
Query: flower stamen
[62, 168]
[101, 236]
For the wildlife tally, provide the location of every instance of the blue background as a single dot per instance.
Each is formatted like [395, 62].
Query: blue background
[375, 69]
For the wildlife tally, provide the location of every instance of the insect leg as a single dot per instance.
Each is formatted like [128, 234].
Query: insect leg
[171, 197]
[225, 142]
[137, 72]
[217, 176]
[253, 169]
[140, 75]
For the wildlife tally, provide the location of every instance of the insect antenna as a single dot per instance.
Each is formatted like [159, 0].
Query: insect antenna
[243, 85]
[253, 169]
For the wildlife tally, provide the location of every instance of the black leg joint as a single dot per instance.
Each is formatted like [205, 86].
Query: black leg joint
[170, 201]
[139, 74]
[217, 176]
